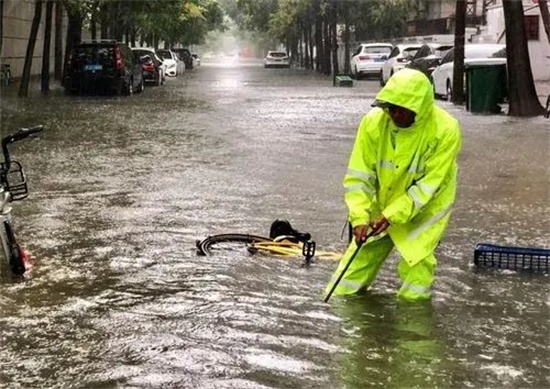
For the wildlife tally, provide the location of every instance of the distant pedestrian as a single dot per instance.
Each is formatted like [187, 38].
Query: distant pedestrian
[400, 183]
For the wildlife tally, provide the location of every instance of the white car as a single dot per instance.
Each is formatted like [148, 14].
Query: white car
[141, 51]
[170, 60]
[474, 54]
[196, 60]
[368, 59]
[276, 59]
[399, 57]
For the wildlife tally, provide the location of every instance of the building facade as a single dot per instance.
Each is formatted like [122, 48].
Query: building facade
[539, 47]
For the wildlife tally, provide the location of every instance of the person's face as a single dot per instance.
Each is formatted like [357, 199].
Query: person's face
[402, 117]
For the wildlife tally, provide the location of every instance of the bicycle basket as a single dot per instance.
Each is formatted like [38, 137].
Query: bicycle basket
[513, 258]
[17, 182]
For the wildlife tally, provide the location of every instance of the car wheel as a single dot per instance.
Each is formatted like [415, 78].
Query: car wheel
[141, 86]
[449, 95]
[158, 79]
[129, 90]
[357, 74]
[382, 83]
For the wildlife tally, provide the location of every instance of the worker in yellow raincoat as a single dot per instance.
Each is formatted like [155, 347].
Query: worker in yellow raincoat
[400, 185]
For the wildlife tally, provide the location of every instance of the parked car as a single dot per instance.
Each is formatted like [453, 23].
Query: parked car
[397, 60]
[276, 59]
[477, 53]
[428, 57]
[196, 60]
[184, 55]
[152, 66]
[171, 61]
[368, 59]
[98, 66]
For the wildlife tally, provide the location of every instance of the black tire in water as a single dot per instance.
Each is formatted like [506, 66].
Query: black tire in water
[208, 245]
[15, 261]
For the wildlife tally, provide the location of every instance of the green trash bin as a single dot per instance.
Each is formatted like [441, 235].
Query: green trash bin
[485, 88]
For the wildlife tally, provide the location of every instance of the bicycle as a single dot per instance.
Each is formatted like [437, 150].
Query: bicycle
[13, 187]
[281, 246]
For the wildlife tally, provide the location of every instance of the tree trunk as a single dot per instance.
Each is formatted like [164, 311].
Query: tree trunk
[309, 37]
[104, 21]
[74, 32]
[522, 95]
[347, 69]
[301, 51]
[1, 24]
[319, 42]
[133, 37]
[45, 79]
[335, 64]
[543, 5]
[117, 25]
[58, 49]
[307, 62]
[93, 25]
[24, 87]
[458, 67]
[326, 49]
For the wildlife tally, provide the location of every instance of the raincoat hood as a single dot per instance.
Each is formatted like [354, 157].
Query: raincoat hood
[410, 89]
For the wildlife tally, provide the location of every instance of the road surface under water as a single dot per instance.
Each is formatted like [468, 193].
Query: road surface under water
[121, 188]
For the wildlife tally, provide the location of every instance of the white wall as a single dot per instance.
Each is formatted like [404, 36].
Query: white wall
[539, 50]
[17, 21]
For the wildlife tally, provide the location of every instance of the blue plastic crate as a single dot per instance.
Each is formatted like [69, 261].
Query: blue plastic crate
[513, 258]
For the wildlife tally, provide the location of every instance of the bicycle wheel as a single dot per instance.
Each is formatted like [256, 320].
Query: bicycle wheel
[227, 242]
[16, 262]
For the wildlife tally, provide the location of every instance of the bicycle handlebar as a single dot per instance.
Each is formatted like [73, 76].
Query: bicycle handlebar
[17, 136]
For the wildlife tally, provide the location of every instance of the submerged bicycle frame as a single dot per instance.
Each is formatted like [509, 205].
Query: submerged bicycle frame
[13, 187]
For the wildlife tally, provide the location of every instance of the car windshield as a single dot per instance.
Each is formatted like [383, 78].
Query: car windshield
[164, 54]
[93, 54]
[442, 50]
[485, 51]
[409, 52]
[377, 49]
[277, 54]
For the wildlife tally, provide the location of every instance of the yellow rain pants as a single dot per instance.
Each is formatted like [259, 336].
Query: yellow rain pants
[416, 280]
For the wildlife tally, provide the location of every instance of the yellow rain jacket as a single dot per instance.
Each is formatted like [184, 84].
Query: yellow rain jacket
[408, 175]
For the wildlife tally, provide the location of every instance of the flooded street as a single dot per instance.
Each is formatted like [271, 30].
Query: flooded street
[121, 188]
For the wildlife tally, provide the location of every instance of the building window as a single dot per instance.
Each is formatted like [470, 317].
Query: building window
[532, 27]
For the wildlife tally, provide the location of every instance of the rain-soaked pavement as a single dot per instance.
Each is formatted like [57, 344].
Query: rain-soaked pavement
[122, 187]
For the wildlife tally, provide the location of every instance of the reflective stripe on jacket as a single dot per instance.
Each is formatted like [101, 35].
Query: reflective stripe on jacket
[408, 174]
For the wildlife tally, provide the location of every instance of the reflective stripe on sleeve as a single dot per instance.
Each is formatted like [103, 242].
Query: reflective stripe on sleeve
[413, 192]
[362, 187]
[366, 176]
[384, 164]
[413, 168]
[430, 222]
[428, 189]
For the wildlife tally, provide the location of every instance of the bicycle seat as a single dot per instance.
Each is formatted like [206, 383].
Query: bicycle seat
[283, 228]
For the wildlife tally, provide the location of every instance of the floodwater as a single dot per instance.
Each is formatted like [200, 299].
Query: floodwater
[121, 188]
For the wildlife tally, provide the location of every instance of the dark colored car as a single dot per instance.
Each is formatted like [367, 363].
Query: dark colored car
[428, 57]
[185, 56]
[103, 66]
[151, 65]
